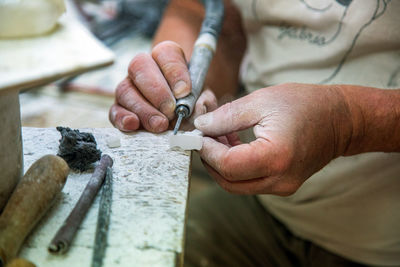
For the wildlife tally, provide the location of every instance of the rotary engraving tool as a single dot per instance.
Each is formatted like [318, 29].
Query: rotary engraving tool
[203, 51]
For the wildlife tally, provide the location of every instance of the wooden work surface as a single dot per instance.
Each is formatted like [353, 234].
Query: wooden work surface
[150, 189]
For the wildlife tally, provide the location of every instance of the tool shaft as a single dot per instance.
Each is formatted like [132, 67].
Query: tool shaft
[103, 220]
[198, 68]
[64, 236]
[181, 115]
[202, 54]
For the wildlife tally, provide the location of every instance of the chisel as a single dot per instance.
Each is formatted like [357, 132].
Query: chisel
[103, 221]
[28, 203]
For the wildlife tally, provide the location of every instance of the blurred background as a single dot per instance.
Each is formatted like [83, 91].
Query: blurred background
[124, 26]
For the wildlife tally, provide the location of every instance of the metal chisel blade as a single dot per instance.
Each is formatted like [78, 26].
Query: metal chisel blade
[178, 122]
[103, 221]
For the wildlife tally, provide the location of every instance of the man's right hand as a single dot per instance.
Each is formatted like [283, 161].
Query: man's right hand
[145, 99]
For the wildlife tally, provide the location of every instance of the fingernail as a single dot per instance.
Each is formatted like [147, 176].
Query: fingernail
[203, 121]
[129, 123]
[180, 89]
[156, 122]
[124, 121]
[168, 108]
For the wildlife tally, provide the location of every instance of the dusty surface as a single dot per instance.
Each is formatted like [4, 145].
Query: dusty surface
[150, 190]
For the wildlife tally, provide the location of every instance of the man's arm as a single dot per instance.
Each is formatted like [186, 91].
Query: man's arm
[181, 24]
[375, 116]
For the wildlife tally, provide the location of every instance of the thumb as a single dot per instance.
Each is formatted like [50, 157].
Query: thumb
[240, 114]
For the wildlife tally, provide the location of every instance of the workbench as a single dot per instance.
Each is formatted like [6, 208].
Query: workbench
[27, 62]
[150, 190]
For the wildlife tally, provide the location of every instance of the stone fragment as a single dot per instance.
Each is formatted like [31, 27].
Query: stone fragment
[113, 141]
[187, 140]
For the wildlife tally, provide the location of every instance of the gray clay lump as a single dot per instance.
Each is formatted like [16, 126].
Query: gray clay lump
[78, 149]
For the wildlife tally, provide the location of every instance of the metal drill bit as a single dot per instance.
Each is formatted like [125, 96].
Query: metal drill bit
[103, 221]
[178, 122]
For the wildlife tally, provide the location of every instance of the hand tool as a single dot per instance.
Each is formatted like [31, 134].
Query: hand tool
[64, 236]
[103, 220]
[31, 198]
[203, 51]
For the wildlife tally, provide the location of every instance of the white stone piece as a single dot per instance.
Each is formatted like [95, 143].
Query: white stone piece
[22, 18]
[187, 140]
[113, 141]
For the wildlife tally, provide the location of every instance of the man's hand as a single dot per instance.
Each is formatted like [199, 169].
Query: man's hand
[299, 128]
[146, 98]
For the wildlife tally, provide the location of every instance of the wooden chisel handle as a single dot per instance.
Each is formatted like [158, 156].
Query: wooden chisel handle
[31, 198]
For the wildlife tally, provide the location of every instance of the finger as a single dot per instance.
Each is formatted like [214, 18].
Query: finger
[171, 60]
[249, 187]
[264, 185]
[206, 102]
[223, 140]
[229, 140]
[130, 98]
[123, 119]
[233, 139]
[149, 80]
[243, 162]
[231, 117]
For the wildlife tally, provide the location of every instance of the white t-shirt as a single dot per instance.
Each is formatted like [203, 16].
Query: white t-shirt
[352, 206]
